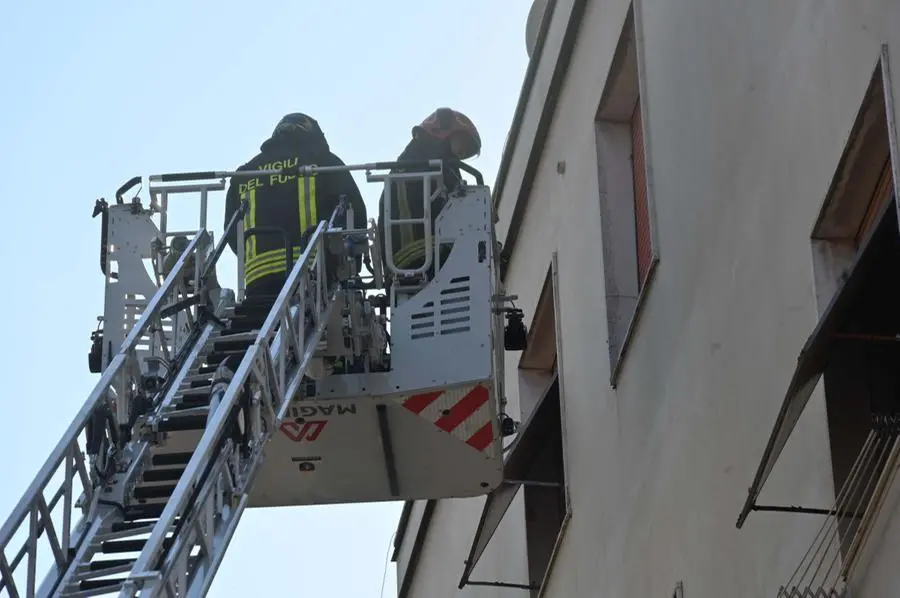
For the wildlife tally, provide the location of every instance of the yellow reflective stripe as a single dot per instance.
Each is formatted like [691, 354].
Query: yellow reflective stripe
[272, 265]
[416, 251]
[269, 262]
[410, 252]
[248, 280]
[275, 267]
[250, 222]
[306, 202]
[406, 230]
[268, 257]
[311, 202]
[302, 201]
[263, 272]
[271, 256]
[273, 261]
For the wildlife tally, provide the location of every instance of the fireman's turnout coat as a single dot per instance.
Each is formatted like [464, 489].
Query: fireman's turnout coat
[291, 203]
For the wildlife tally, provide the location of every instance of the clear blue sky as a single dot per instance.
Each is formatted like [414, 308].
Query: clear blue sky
[94, 93]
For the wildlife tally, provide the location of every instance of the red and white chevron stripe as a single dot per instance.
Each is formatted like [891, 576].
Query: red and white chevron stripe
[463, 412]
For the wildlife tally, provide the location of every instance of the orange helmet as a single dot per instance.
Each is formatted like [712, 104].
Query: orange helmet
[455, 127]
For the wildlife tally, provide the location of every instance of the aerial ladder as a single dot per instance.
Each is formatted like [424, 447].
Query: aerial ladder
[209, 403]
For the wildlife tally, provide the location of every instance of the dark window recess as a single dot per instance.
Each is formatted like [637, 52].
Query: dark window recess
[862, 377]
[545, 505]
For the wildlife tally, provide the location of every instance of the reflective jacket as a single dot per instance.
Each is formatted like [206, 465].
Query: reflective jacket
[287, 202]
[407, 201]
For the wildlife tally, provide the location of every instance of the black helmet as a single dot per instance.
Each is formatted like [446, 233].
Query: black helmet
[297, 127]
[297, 122]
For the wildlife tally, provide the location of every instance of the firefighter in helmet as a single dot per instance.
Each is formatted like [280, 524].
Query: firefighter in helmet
[445, 134]
[294, 204]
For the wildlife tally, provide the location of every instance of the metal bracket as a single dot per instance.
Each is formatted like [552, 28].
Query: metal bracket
[806, 510]
[504, 584]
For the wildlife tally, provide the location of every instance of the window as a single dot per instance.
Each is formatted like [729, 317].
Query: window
[854, 348]
[536, 460]
[626, 206]
[859, 375]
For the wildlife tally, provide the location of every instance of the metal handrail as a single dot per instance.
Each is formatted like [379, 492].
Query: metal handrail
[33, 499]
[389, 222]
[257, 361]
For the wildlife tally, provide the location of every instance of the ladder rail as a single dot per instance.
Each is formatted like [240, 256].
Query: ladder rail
[109, 512]
[149, 576]
[33, 502]
[215, 542]
[389, 222]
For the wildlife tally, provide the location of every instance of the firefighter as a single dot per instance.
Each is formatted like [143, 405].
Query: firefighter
[446, 134]
[293, 204]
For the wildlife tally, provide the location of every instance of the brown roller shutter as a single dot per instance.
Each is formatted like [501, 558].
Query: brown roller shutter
[641, 207]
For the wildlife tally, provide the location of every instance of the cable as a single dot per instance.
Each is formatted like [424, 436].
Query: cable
[386, 561]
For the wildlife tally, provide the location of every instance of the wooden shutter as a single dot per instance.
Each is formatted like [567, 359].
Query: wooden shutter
[641, 206]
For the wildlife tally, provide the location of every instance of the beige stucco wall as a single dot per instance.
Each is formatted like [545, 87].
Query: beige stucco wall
[749, 105]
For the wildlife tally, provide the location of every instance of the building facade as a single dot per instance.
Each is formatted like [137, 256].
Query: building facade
[696, 205]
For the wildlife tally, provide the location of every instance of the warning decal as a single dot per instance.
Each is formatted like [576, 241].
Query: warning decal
[463, 412]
